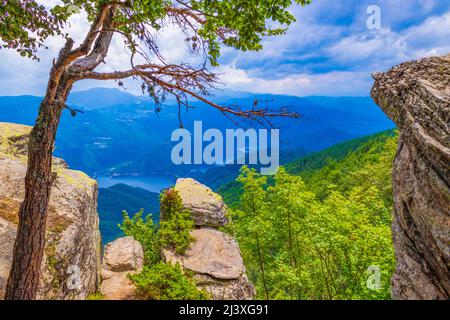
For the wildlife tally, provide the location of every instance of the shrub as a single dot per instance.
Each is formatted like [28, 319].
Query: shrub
[160, 281]
[176, 223]
[166, 282]
[144, 231]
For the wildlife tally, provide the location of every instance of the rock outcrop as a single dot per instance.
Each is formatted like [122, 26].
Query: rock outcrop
[207, 208]
[213, 257]
[122, 257]
[72, 259]
[416, 96]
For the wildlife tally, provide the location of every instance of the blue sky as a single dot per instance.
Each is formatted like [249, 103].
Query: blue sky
[328, 51]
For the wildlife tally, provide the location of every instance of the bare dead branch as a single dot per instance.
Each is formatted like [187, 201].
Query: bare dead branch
[162, 79]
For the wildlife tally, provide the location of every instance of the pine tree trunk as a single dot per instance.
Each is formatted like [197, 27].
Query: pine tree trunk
[30, 242]
[23, 281]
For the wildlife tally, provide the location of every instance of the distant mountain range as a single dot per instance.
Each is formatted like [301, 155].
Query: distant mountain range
[122, 134]
[101, 98]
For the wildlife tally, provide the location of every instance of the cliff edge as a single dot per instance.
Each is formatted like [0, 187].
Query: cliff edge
[416, 96]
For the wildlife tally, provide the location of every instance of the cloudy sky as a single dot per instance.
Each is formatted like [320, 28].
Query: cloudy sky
[330, 50]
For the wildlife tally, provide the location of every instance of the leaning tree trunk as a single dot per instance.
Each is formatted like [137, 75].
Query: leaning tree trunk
[23, 281]
[30, 242]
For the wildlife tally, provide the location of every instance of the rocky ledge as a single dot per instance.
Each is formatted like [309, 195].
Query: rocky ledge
[71, 263]
[416, 96]
[207, 207]
[213, 257]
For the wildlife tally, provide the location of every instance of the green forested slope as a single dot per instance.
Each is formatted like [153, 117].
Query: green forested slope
[307, 166]
[320, 229]
[113, 200]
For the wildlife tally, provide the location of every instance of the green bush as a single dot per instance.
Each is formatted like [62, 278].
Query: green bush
[145, 232]
[160, 281]
[176, 223]
[166, 282]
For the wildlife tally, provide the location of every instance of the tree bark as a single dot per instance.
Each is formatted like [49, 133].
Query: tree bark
[23, 281]
[24, 277]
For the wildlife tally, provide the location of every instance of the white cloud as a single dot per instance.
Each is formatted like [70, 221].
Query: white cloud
[320, 54]
[327, 84]
[361, 53]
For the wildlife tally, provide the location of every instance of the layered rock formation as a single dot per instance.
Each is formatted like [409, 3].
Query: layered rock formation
[213, 256]
[416, 95]
[71, 263]
[122, 257]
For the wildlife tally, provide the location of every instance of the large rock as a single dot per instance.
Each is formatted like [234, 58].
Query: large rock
[213, 257]
[235, 289]
[207, 207]
[122, 257]
[216, 262]
[7, 237]
[123, 254]
[71, 264]
[212, 253]
[416, 95]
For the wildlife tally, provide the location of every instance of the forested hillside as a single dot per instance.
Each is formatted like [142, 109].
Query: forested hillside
[121, 197]
[320, 229]
[309, 165]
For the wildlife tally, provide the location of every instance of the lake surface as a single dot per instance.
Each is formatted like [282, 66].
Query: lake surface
[153, 183]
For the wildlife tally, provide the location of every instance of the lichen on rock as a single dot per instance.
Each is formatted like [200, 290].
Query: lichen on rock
[207, 207]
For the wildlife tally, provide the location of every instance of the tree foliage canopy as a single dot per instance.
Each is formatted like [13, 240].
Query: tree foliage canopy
[24, 26]
[319, 237]
[208, 25]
